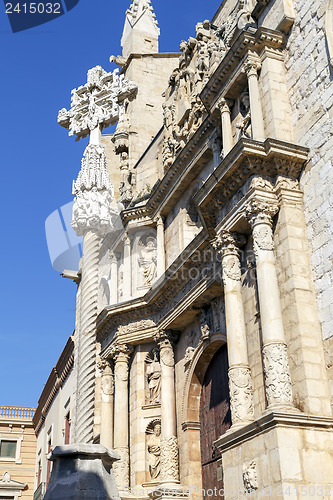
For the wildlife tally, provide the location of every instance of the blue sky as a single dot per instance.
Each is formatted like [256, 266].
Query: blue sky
[39, 67]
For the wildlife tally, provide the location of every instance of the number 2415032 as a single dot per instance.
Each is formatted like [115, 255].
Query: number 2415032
[33, 8]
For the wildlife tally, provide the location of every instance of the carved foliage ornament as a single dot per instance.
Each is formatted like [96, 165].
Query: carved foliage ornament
[96, 103]
[121, 468]
[241, 394]
[277, 374]
[169, 459]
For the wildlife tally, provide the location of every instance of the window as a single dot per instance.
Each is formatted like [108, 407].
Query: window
[67, 428]
[8, 449]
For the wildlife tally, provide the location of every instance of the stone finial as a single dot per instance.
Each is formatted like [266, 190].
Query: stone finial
[141, 29]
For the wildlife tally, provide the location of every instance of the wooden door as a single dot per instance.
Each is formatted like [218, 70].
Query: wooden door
[215, 420]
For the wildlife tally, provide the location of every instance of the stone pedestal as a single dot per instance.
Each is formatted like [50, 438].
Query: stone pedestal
[82, 471]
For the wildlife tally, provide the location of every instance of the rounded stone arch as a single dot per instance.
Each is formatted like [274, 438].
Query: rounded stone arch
[195, 376]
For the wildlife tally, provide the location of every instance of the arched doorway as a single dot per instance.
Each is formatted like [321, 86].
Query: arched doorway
[215, 418]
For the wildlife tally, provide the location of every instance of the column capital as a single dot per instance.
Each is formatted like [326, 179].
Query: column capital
[224, 104]
[260, 212]
[251, 67]
[166, 338]
[104, 367]
[126, 239]
[121, 352]
[159, 220]
[228, 242]
[113, 258]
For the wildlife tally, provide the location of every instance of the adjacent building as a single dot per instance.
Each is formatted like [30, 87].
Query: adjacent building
[17, 453]
[203, 341]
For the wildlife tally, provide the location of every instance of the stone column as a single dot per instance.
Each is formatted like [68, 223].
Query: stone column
[257, 121]
[240, 379]
[127, 277]
[106, 436]
[114, 279]
[121, 354]
[274, 350]
[160, 246]
[169, 442]
[227, 139]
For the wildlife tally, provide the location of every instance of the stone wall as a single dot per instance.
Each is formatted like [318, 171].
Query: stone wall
[309, 81]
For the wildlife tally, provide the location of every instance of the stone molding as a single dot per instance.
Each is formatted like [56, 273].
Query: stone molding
[270, 420]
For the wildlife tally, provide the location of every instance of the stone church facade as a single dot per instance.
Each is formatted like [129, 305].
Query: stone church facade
[204, 326]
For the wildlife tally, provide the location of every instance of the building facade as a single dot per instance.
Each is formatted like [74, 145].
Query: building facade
[203, 341]
[17, 453]
[53, 417]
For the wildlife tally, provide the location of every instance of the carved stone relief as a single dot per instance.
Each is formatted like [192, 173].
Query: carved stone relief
[169, 459]
[277, 374]
[241, 394]
[250, 477]
[153, 374]
[154, 449]
[147, 260]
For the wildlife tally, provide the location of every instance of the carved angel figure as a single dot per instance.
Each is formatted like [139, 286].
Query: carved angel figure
[154, 450]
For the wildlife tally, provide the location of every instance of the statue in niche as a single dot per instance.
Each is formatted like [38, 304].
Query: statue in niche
[154, 450]
[148, 261]
[244, 126]
[154, 376]
[205, 328]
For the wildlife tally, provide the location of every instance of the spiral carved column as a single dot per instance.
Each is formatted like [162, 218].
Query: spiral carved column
[85, 400]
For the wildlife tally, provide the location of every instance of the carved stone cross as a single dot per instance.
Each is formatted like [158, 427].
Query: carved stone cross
[96, 105]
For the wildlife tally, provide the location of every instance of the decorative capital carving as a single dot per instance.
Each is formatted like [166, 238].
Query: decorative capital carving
[228, 242]
[260, 212]
[225, 105]
[121, 352]
[113, 258]
[166, 338]
[159, 220]
[251, 68]
[283, 182]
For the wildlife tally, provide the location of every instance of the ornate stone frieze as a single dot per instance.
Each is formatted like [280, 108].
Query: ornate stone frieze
[250, 477]
[136, 326]
[277, 374]
[121, 469]
[241, 394]
[169, 459]
[96, 103]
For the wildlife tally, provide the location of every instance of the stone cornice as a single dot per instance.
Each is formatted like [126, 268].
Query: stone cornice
[263, 37]
[248, 157]
[188, 161]
[157, 298]
[269, 421]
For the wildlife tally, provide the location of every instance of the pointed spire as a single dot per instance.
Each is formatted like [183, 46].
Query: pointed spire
[141, 29]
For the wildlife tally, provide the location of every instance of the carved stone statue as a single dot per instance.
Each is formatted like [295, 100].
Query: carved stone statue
[244, 125]
[154, 376]
[154, 451]
[148, 261]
